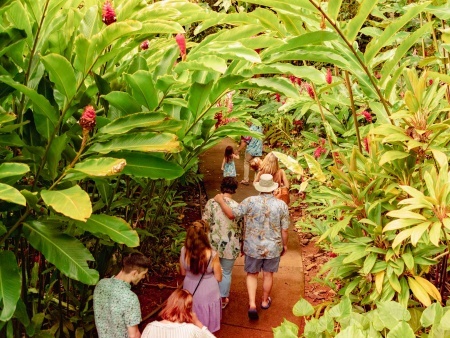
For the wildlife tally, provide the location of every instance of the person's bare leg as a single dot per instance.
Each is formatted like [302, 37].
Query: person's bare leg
[252, 285]
[267, 286]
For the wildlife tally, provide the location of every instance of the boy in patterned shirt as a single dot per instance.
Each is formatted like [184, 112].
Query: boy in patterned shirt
[116, 308]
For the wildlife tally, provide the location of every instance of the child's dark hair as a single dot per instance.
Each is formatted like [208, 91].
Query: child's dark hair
[228, 185]
[229, 153]
[135, 261]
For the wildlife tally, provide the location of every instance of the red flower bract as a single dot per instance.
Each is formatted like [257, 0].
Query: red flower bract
[144, 45]
[87, 120]
[328, 76]
[367, 115]
[181, 41]
[108, 13]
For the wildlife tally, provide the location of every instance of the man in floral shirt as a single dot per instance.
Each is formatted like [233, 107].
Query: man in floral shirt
[254, 149]
[116, 308]
[265, 237]
[224, 234]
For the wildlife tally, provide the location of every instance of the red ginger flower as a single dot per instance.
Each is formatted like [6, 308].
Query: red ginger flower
[367, 116]
[108, 13]
[328, 76]
[181, 41]
[366, 143]
[319, 151]
[144, 45]
[87, 120]
[309, 89]
[278, 97]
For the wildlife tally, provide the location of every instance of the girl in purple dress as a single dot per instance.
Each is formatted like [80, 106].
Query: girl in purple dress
[200, 265]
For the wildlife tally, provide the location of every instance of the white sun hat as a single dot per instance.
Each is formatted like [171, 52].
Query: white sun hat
[266, 183]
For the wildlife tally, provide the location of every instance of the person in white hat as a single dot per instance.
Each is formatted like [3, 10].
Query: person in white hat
[265, 237]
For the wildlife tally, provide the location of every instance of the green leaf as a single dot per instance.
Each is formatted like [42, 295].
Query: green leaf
[13, 169]
[54, 154]
[333, 8]
[11, 140]
[210, 63]
[287, 329]
[315, 168]
[303, 308]
[432, 315]
[401, 330]
[390, 313]
[146, 142]
[198, 97]
[123, 101]
[67, 253]
[73, 202]
[41, 105]
[376, 44]
[149, 121]
[297, 42]
[369, 262]
[99, 167]
[418, 231]
[304, 72]
[10, 284]
[392, 155]
[61, 74]
[419, 292]
[10, 194]
[115, 228]
[353, 28]
[435, 233]
[405, 214]
[143, 89]
[147, 165]
[228, 51]
[290, 163]
[401, 237]
[7, 117]
[276, 85]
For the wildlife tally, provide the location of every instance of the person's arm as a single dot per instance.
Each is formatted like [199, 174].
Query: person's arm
[205, 332]
[284, 179]
[225, 207]
[217, 268]
[284, 236]
[182, 269]
[133, 332]
[236, 156]
[242, 145]
[223, 164]
[257, 177]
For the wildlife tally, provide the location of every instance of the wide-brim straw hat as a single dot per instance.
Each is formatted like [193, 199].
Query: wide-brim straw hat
[266, 183]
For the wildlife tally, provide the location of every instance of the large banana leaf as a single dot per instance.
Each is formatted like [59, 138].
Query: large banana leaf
[73, 202]
[147, 165]
[61, 74]
[147, 142]
[149, 121]
[67, 253]
[10, 284]
[115, 228]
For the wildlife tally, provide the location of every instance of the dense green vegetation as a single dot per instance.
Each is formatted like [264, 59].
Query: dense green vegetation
[105, 108]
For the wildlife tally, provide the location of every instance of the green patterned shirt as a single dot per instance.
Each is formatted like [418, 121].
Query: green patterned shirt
[115, 308]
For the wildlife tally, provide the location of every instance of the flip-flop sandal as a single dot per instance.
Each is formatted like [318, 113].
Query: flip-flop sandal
[253, 314]
[269, 302]
[244, 182]
[224, 304]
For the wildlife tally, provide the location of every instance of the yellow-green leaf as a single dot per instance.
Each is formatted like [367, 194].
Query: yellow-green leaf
[405, 214]
[73, 202]
[315, 169]
[429, 288]
[393, 280]
[446, 222]
[401, 223]
[379, 277]
[10, 194]
[435, 233]
[440, 157]
[418, 231]
[411, 191]
[401, 237]
[419, 292]
[290, 163]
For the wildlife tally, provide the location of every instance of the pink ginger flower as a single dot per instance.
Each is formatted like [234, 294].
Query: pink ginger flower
[181, 41]
[366, 143]
[319, 151]
[145, 45]
[87, 120]
[328, 76]
[299, 81]
[309, 89]
[108, 13]
[367, 116]
[292, 78]
[278, 97]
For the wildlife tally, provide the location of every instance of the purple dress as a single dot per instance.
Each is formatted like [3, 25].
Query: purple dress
[207, 301]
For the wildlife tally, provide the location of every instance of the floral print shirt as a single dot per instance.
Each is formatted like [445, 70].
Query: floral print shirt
[265, 217]
[115, 308]
[255, 146]
[224, 233]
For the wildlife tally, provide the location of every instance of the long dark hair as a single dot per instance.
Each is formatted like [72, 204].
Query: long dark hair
[229, 154]
[197, 246]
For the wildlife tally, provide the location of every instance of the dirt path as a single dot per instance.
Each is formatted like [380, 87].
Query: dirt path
[289, 282]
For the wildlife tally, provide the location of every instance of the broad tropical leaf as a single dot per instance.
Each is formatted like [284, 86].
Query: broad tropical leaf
[61, 73]
[10, 284]
[73, 202]
[67, 253]
[143, 89]
[115, 228]
[10, 194]
[13, 169]
[104, 166]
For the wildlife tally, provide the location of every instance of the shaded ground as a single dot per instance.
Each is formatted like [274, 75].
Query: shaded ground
[294, 279]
